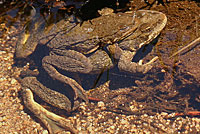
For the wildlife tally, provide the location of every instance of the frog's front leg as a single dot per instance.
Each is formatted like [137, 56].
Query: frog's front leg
[68, 60]
[125, 60]
[125, 63]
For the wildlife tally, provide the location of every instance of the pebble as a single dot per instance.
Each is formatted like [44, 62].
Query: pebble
[110, 130]
[123, 121]
[100, 104]
[117, 118]
[2, 52]
[100, 116]
[110, 121]
[164, 114]
[13, 81]
[1, 94]
[45, 132]
[82, 108]
[83, 121]
[1, 119]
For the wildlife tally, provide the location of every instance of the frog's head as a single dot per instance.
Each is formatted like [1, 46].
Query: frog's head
[25, 45]
[147, 26]
[29, 38]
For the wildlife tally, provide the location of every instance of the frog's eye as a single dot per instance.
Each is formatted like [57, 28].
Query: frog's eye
[145, 28]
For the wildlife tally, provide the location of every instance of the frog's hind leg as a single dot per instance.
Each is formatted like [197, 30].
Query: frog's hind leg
[68, 60]
[53, 122]
[126, 64]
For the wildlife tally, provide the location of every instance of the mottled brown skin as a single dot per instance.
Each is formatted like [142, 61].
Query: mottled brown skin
[53, 122]
[77, 48]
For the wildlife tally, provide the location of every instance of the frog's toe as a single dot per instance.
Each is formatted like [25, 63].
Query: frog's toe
[143, 68]
[135, 68]
[53, 122]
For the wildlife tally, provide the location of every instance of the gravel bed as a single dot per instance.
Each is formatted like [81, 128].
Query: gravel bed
[14, 120]
[89, 119]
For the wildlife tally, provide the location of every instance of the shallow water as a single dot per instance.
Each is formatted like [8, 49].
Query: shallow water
[175, 79]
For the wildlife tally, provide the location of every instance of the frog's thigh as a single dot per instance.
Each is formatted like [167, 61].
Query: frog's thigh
[69, 61]
[100, 61]
[50, 96]
[126, 64]
[53, 122]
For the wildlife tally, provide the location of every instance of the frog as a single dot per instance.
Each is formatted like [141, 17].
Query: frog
[91, 47]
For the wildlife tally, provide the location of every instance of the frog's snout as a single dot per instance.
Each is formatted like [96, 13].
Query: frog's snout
[22, 53]
[25, 46]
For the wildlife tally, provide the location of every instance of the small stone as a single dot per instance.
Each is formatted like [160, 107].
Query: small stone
[164, 114]
[6, 58]
[2, 52]
[100, 116]
[21, 107]
[13, 81]
[163, 71]
[97, 110]
[100, 104]
[89, 114]
[79, 128]
[82, 108]
[110, 121]
[9, 67]
[45, 132]
[110, 130]
[123, 121]
[140, 106]
[145, 115]
[4, 118]
[90, 129]
[83, 121]
[1, 94]
[1, 119]
[90, 117]
[112, 127]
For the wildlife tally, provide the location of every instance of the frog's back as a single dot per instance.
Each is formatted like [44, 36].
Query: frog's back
[85, 37]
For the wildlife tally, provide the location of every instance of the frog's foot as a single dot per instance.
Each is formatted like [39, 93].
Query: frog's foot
[50, 96]
[53, 122]
[126, 64]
